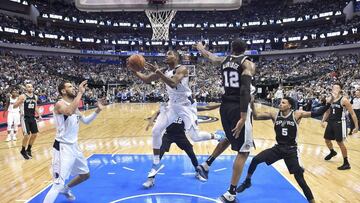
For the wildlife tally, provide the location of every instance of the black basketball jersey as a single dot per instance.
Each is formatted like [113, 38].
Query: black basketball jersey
[29, 106]
[231, 70]
[286, 129]
[337, 111]
[176, 128]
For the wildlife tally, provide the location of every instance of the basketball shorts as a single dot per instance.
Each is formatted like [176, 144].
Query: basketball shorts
[179, 139]
[278, 152]
[29, 125]
[67, 160]
[13, 119]
[335, 130]
[230, 115]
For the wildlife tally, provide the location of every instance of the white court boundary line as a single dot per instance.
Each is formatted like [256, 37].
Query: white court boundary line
[170, 193]
[32, 197]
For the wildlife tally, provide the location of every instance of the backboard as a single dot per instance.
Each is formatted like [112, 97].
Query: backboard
[142, 5]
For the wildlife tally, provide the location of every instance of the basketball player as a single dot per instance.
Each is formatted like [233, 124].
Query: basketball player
[67, 157]
[237, 71]
[180, 104]
[29, 126]
[336, 128]
[204, 167]
[286, 129]
[356, 106]
[13, 117]
[175, 133]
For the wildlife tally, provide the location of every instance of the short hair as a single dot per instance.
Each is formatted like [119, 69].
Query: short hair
[176, 54]
[339, 84]
[291, 101]
[61, 86]
[238, 46]
[13, 89]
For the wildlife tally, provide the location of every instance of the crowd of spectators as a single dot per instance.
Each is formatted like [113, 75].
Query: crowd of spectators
[309, 78]
[256, 10]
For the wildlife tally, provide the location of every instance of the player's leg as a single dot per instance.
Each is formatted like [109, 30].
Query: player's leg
[189, 116]
[16, 126]
[328, 136]
[204, 167]
[10, 122]
[62, 164]
[34, 130]
[292, 163]
[242, 145]
[346, 164]
[164, 119]
[165, 147]
[269, 156]
[79, 168]
[25, 141]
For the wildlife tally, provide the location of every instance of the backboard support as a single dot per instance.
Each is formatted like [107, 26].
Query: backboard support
[142, 5]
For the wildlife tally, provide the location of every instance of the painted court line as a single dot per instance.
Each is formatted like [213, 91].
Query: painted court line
[221, 169]
[173, 194]
[129, 169]
[188, 174]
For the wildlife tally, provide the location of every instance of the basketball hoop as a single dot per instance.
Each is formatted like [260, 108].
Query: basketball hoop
[160, 23]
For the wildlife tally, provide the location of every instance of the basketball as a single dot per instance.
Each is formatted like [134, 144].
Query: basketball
[136, 62]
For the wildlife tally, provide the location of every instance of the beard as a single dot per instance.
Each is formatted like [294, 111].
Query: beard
[71, 95]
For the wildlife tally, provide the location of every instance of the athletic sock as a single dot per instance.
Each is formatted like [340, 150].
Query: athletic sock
[232, 189]
[210, 160]
[156, 160]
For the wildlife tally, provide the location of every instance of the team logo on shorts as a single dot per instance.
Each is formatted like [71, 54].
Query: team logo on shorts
[206, 119]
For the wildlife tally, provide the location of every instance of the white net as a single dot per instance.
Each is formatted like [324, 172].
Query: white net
[160, 23]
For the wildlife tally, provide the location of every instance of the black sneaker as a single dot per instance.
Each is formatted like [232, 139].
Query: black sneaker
[344, 167]
[243, 186]
[204, 174]
[24, 154]
[331, 155]
[28, 152]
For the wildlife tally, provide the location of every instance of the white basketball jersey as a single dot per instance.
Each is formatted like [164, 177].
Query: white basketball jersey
[67, 127]
[11, 108]
[181, 92]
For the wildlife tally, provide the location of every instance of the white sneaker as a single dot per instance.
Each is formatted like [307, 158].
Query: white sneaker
[14, 138]
[155, 169]
[227, 198]
[149, 183]
[8, 139]
[68, 194]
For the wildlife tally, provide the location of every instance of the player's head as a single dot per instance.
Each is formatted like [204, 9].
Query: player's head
[14, 93]
[29, 88]
[286, 103]
[238, 47]
[66, 89]
[172, 57]
[337, 88]
[357, 93]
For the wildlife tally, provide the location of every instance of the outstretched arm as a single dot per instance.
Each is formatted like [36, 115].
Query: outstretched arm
[207, 54]
[88, 119]
[208, 108]
[19, 101]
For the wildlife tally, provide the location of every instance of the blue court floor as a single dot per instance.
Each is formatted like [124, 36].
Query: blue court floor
[119, 178]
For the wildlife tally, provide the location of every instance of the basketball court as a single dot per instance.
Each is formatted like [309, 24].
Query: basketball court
[119, 151]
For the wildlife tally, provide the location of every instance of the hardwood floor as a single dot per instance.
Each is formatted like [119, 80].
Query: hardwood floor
[120, 128]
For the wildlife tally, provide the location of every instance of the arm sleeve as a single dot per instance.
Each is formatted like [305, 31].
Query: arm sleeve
[320, 111]
[245, 92]
[88, 119]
